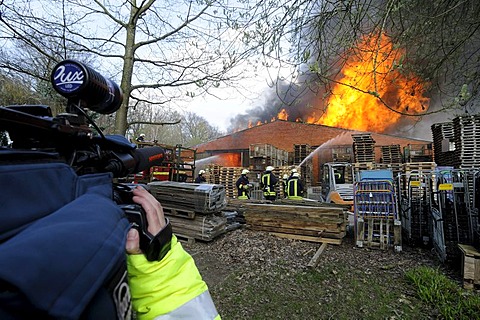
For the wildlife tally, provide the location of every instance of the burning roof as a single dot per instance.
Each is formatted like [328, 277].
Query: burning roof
[372, 93]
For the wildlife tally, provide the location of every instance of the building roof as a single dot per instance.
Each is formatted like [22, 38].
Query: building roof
[285, 134]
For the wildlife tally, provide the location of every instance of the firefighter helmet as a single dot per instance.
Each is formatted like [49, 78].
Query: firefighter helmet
[201, 172]
[294, 170]
[269, 168]
[245, 171]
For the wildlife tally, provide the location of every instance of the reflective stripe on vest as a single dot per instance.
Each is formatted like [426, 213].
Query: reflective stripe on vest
[294, 194]
[201, 308]
[266, 183]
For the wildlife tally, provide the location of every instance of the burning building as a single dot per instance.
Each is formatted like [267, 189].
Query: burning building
[371, 93]
[325, 143]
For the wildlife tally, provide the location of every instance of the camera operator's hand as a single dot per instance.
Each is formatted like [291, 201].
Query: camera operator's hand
[171, 286]
[155, 218]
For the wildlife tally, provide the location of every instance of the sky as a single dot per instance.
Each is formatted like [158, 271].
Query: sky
[218, 112]
[227, 102]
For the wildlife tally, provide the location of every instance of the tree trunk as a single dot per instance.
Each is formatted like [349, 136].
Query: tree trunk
[128, 61]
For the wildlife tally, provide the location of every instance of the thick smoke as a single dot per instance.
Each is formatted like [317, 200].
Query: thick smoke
[446, 70]
[299, 100]
[304, 99]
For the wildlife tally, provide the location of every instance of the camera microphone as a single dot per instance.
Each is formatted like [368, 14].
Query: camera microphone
[76, 81]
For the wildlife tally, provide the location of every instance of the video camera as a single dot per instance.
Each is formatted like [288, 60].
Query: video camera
[74, 138]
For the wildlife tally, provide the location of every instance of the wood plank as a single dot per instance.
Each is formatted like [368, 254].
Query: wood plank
[306, 238]
[311, 233]
[315, 259]
[290, 216]
[315, 225]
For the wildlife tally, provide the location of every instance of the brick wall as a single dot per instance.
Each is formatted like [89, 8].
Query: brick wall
[284, 135]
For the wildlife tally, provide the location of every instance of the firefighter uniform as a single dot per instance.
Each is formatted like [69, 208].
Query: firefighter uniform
[269, 181]
[243, 185]
[295, 187]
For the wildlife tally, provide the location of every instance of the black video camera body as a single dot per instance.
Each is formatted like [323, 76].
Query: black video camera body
[38, 136]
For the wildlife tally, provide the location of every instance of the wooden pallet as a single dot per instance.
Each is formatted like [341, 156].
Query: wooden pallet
[185, 239]
[470, 266]
[188, 214]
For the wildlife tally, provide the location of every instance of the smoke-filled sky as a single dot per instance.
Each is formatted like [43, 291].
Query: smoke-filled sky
[237, 112]
[390, 99]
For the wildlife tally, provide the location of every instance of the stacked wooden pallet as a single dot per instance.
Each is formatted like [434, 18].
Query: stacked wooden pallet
[228, 177]
[193, 209]
[418, 153]
[263, 155]
[301, 151]
[470, 267]
[467, 141]
[426, 167]
[391, 154]
[443, 136]
[212, 173]
[359, 166]
[201, 227]
[363, 147]
[341, 153]
[308, 222]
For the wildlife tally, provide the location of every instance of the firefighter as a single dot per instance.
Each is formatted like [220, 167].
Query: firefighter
[243, 185]
[291, 173]
[200, 178]
[268, 183]
[141, 138]
[295, 187]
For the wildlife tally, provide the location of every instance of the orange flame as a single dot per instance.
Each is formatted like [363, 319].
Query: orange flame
[372, 75]
[229, 159]
[282, 115]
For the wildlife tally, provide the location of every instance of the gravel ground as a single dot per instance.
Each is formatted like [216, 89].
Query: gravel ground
[244, 249]
[255, 253]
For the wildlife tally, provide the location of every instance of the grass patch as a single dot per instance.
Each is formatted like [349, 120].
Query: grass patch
[328, 292]
[451, 301]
